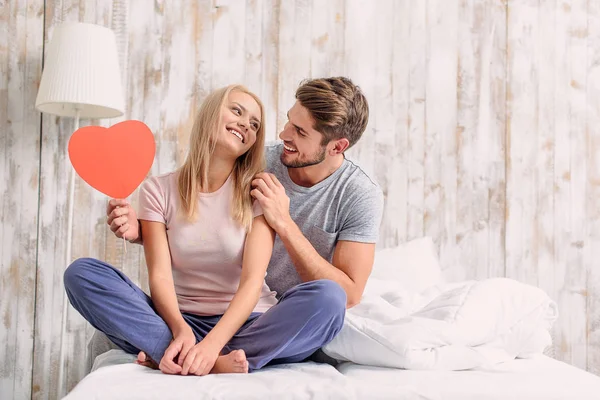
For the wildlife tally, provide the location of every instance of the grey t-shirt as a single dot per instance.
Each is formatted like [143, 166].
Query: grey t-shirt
[347, 205]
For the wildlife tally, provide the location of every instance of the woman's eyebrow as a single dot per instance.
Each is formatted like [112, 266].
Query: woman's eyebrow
[240, 106]
[244, 109]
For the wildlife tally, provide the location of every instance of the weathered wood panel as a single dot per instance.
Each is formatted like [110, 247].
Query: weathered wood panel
[382, 117]
[546, 165]
[327, 38]
[522, 127]
[294, 54]
[61, 333]
[21, 45]
[417, 66]
[266, 86]
[397, 175]
[570, 178]
[493, 124]
[359, 57]
[479, 136]
[592, 155]
[483, 134]
[573, 285]
[440, 121]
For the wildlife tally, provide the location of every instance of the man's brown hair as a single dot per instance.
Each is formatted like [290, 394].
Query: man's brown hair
[337, 105]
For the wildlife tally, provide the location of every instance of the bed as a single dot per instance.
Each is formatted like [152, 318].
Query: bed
[413, 336]
[538, 378]
[115, 376]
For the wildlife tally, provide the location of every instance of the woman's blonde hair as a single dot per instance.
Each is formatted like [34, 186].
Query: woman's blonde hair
[193, 176]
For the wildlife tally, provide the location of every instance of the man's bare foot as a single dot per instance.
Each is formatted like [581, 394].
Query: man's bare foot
[233, 363]
[143, 359]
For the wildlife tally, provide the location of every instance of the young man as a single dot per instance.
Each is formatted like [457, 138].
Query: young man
[325, 210]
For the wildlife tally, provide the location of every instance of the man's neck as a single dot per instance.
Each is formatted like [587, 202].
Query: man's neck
[310, 176]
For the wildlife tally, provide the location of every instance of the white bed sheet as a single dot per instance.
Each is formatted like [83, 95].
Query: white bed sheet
[115, 376]
[539, 378]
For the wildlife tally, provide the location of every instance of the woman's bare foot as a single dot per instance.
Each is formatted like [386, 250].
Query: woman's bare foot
[233, 363]
[143, 359]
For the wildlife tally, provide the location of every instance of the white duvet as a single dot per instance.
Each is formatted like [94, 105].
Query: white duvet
[446, 327]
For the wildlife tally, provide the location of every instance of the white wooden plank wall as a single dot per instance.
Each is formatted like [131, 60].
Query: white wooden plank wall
[483, 134]
[592, 143]
[21, 43]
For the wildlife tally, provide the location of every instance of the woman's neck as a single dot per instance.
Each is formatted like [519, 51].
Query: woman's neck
[218, 171]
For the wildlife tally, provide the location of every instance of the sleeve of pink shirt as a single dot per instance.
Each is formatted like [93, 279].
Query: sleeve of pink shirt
[152, 201]
[256, 209]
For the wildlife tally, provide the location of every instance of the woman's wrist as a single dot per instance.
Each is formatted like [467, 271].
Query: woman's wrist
[180, 327]
[214, 341]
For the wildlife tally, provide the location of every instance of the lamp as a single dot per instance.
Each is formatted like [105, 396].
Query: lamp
[81, 79]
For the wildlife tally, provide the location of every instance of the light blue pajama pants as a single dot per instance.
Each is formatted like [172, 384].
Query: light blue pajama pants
[307, 317]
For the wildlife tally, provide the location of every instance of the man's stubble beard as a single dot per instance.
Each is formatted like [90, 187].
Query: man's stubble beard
[316, 159]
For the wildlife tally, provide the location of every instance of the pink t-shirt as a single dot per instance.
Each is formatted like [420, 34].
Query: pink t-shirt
[206, 255]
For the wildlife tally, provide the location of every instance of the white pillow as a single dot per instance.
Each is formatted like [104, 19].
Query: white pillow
[399, 276]
[413, 265]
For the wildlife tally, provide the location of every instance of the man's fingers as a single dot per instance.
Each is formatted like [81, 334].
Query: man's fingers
[262, 186]
[268, 180]
[275, 180]
[258, 195]
[260, 176]
[271, 181]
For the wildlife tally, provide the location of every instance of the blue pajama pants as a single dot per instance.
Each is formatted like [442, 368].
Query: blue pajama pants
[307, 317]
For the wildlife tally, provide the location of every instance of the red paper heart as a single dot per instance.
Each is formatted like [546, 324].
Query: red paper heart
[113, 160]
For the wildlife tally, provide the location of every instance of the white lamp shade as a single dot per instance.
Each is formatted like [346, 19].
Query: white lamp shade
[81, 72]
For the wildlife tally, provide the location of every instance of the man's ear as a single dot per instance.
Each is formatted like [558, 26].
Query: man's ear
[339, 146]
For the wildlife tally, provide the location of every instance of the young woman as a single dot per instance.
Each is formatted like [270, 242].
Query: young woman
[207, 248]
